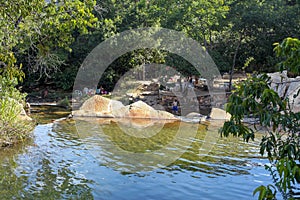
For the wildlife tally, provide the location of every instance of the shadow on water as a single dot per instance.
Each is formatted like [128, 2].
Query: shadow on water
[47, 114]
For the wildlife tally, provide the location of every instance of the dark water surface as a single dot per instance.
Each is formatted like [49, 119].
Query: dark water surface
[103, 159]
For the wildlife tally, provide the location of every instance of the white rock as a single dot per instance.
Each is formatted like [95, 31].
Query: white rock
[219, 114]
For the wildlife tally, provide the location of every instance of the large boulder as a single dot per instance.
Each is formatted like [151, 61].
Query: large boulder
[98, 106]
[142, 110]
[287, 88]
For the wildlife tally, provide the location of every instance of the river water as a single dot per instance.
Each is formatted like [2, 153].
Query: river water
[115, 160]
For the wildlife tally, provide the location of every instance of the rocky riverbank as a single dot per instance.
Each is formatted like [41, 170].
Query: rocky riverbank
[98, 106]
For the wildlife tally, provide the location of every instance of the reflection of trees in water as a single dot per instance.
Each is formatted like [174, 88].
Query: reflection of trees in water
[58, 181]
[45, 171]
[140, 145]
[50, 169]
[228, 156]
[51, 181]
[10, 184]
[222, 159]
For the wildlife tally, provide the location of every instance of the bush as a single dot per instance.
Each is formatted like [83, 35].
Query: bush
[13, 128]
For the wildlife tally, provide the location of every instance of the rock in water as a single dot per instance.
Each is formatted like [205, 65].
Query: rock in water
[219, 114]
[142, 110]
[98, 106]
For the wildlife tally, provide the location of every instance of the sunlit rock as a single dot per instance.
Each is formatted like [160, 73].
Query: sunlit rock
[98, 106]
[287, 88]
[140, 109]
[219, 114]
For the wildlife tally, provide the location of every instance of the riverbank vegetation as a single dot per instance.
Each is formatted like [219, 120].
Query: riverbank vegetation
[255, 98]
[13, 128]
[32, 33]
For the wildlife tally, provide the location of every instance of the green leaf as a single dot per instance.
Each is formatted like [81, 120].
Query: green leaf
[262, 190]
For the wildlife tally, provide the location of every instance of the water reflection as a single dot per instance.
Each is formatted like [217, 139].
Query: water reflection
[44, 169]
[61, 163]
[203, 151]
[47, 114]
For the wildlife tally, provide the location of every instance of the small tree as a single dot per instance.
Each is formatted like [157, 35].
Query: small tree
[254, 98]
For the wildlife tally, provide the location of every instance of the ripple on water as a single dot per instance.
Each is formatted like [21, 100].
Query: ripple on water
[62, 165]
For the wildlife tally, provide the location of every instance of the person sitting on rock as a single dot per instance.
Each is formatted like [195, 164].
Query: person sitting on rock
[175, 106]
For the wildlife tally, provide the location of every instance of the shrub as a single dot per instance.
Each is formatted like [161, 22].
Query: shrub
[13, 128]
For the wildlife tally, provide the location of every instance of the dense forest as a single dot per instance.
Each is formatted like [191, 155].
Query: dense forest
[238, 34]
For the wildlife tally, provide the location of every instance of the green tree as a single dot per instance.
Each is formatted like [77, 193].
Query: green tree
[39, 29]
[34, 31]
[254, 98]
[198, 19]
[249, 30]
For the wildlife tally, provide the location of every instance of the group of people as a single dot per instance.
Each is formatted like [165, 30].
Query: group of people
[99, 91]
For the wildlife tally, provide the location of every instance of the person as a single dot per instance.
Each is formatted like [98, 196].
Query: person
[98, 91]
[175, 106]
[85, 91]
[45, 93]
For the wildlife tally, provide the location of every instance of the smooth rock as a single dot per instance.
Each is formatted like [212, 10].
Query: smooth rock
[98, 106]
[219, 114]
[286, 88]
[97, 103]
[193, 115]
[140, 109]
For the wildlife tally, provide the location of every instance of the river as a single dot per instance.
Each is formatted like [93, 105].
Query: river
[114, 160]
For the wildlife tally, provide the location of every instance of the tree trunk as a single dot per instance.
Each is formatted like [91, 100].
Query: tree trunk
[234, 61]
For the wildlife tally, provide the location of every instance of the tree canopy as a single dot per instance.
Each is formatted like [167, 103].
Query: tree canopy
[37, 30]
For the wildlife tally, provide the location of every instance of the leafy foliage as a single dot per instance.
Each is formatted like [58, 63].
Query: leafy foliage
[39, 29]
[12, 128]
[33, 32]
[254, 98]
[289, 49]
